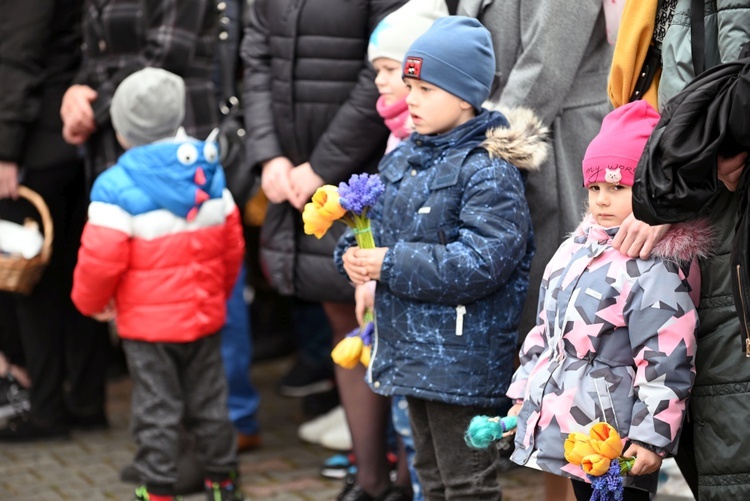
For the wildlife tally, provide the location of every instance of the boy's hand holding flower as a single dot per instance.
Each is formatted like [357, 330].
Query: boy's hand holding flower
[364, 297]
[363, 265]
[349, 204]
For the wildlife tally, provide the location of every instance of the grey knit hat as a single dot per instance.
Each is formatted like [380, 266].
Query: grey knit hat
[148, 105]
[398, 30]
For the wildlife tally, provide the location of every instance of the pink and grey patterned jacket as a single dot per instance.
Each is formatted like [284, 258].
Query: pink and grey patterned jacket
[614, 342]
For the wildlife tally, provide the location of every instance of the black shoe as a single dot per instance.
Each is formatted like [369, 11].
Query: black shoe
[87, 422]
[189, 474]
[305, 379]
[14, 398]
[22, 428]
[395, 494]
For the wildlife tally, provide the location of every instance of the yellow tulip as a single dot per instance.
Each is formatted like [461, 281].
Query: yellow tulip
[315, 224]
[605, 440]
[326, 202]
[577, 447]
[365, 356]
[595, 465]
[347, 352]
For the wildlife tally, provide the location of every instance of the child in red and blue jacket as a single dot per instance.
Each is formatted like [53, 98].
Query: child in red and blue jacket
[160, 253]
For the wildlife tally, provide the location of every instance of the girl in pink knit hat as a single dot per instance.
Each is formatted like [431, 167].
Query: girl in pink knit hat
[615, 335]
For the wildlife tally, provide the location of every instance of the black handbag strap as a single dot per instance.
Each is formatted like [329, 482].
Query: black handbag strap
[697, 36]
[229, 100]
[650, 65]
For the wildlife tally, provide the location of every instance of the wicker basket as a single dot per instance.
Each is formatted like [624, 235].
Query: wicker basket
[21, 275]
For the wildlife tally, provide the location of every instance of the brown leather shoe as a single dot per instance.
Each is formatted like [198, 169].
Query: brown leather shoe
[247, 442]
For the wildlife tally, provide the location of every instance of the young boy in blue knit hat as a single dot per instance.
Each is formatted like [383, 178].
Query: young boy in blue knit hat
[454, 248]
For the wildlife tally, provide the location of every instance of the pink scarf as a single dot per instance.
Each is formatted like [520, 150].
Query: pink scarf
[395, 117]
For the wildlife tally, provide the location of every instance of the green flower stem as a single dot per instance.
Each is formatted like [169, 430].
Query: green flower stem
[363, 232]
[369, 316]
[626, 464]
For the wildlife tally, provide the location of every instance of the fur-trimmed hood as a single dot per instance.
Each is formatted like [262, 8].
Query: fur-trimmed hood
[683, 242]
[523, 143]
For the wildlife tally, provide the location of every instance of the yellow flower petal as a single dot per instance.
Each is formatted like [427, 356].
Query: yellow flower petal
[364, 357]
[347, 352]
[595, 465]
[577, 446]
[314, 223]
[606, 441]
[326, 202]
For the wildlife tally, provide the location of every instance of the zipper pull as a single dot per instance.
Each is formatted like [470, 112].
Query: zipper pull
[747, 347]
[460, 312]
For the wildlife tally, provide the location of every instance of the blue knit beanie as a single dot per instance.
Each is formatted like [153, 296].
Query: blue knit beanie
[456, 55]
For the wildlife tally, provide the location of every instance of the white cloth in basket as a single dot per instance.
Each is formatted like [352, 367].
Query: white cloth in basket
[24, 240]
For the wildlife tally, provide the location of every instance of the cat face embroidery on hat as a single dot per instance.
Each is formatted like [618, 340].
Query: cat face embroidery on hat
[613, 176]
[413, 67]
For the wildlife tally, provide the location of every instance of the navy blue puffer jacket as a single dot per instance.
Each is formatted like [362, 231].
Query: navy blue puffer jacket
[455, 220]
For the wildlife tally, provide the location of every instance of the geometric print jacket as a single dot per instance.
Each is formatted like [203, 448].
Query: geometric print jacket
[614, 342]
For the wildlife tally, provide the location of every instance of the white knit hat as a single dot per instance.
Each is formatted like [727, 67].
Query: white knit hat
[397, 31]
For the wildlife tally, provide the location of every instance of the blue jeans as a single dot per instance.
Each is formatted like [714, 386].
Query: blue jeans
[400, 417]
[237, 353]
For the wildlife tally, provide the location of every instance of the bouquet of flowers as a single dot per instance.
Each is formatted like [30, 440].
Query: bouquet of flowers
[599, 454]
[348, 203]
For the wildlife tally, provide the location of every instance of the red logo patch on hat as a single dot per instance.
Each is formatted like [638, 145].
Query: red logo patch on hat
[413, 67]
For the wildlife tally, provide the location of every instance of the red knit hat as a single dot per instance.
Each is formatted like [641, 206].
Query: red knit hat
[613, 154]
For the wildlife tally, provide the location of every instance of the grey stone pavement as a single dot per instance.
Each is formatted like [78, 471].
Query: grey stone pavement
[86, 467]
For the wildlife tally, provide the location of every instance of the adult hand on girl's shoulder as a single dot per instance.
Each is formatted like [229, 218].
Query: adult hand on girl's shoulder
[636, 238]
[729, 170]
[646, 461]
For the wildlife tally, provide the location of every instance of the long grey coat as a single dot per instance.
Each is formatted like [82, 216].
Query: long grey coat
[552, 57]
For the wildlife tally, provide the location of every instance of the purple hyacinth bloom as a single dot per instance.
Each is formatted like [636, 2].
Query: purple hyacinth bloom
[367, 333]
[362, 191]
[608, 487]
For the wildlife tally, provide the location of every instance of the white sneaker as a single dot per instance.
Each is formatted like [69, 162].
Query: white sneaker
[313, 430]
[338, 438]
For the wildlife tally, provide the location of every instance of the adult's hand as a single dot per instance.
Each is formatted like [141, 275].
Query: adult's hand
[729, 169]
[274, 179]
[77, 114]
[636, 238]
[303, 181]
[8, 180]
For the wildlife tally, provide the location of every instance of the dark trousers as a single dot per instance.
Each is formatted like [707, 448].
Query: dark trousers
[176, 384]
[59, 344]
[447, 468]
[584, 490]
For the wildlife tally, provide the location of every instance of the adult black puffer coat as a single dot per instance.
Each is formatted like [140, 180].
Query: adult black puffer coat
[310, 95]
[677, 180]
[38, 59]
